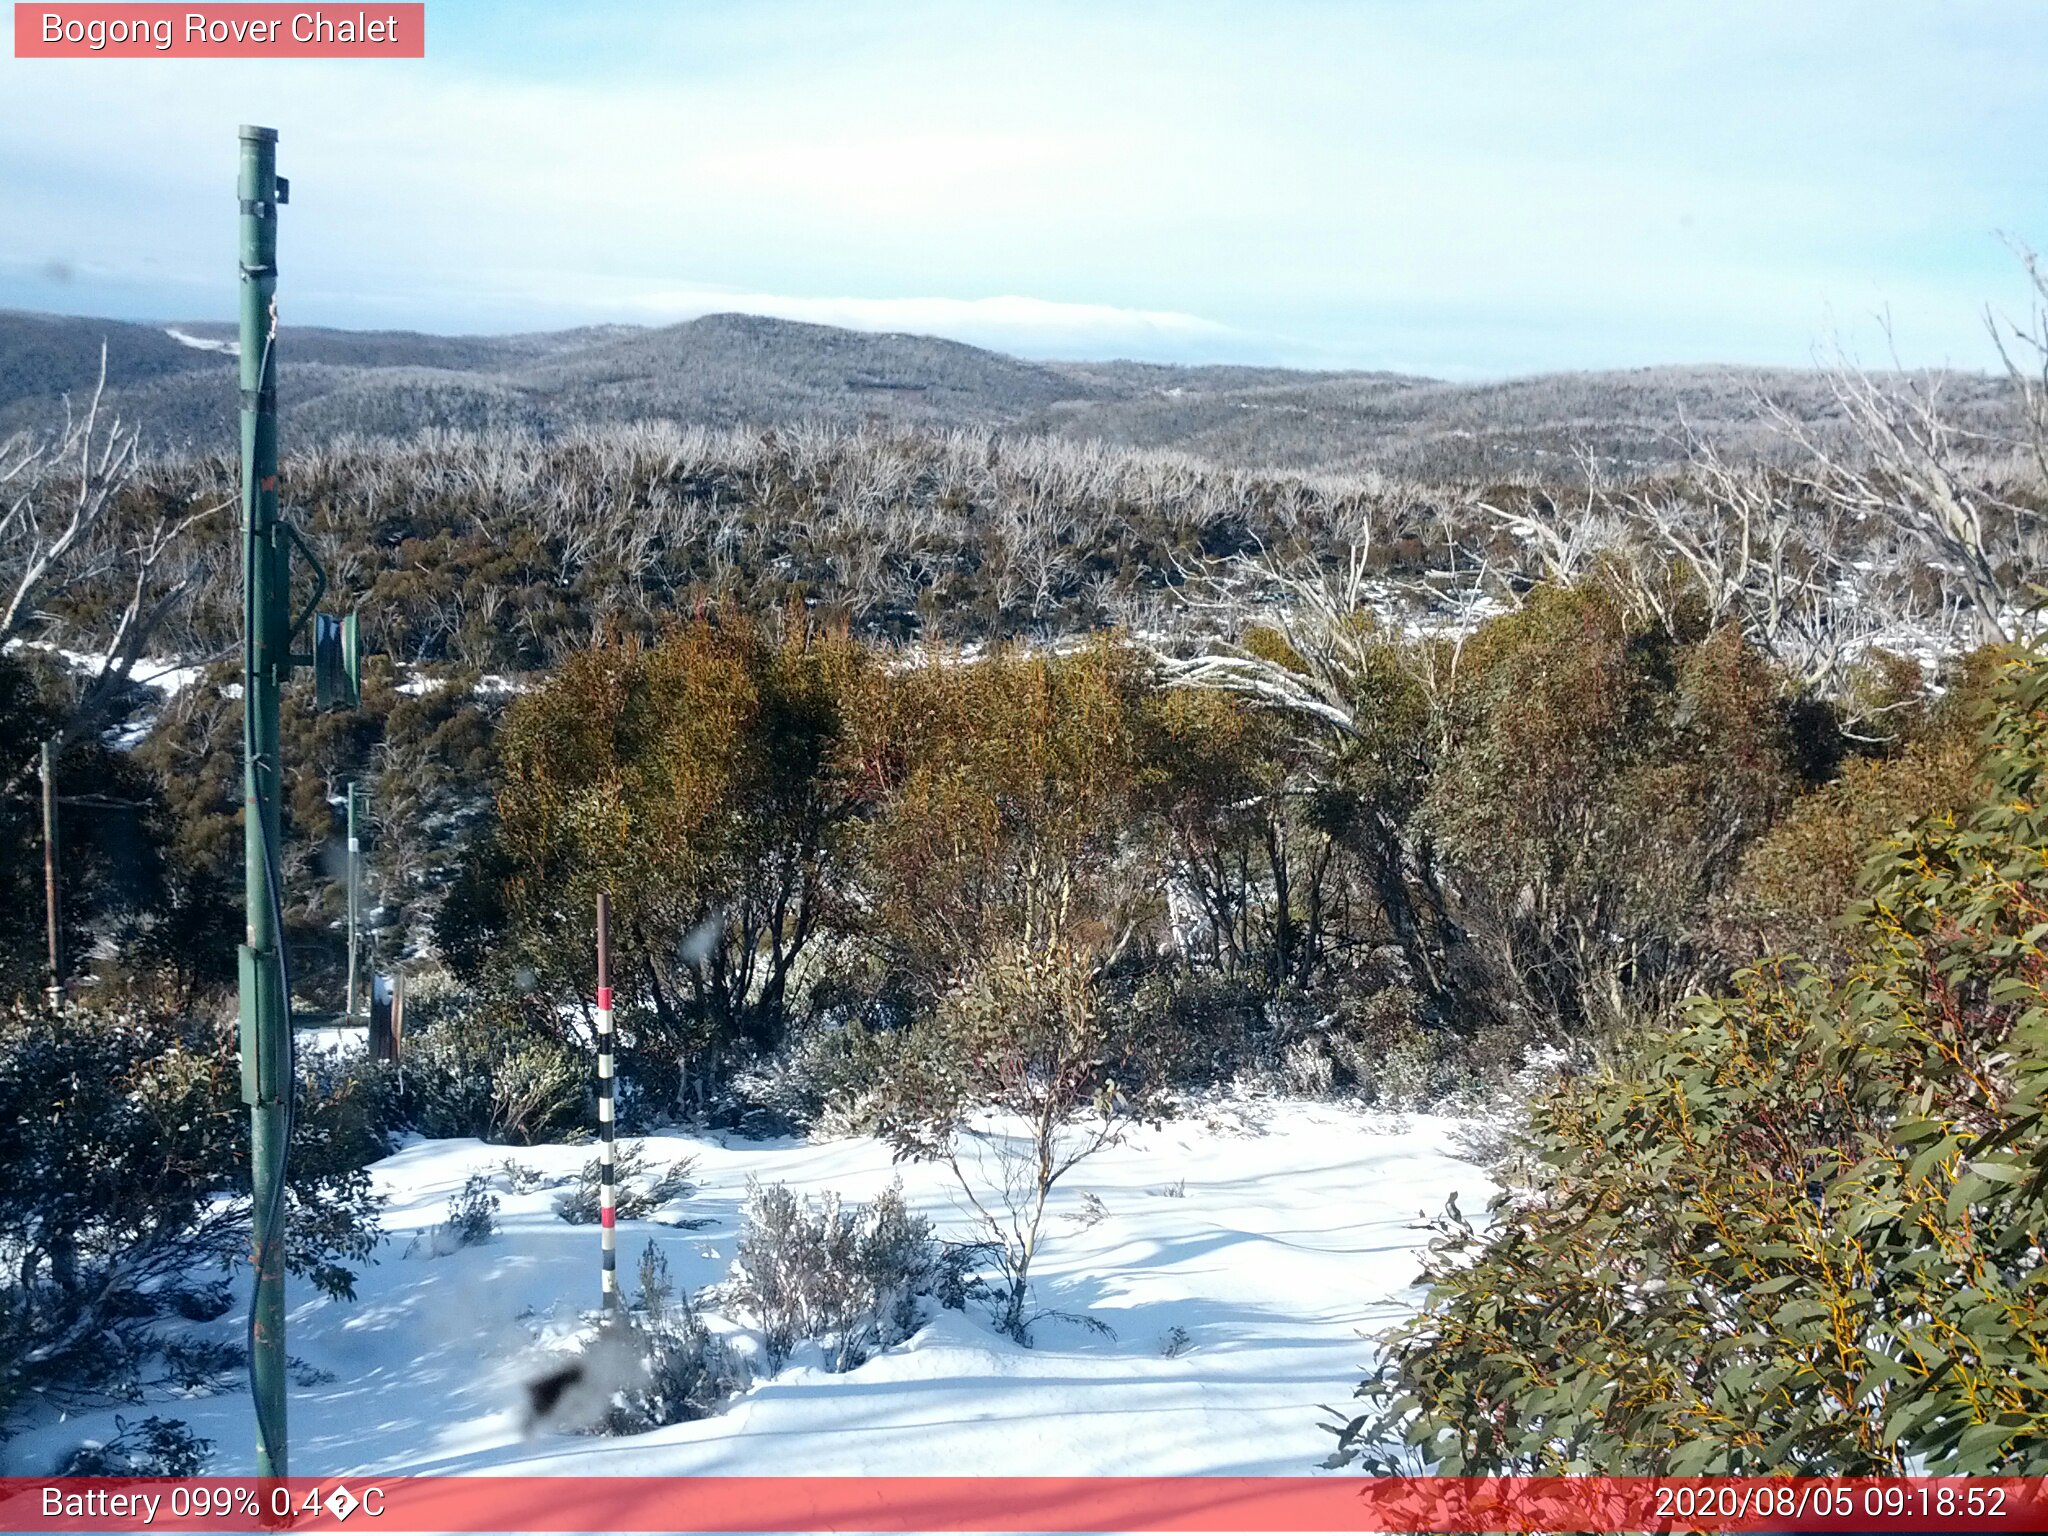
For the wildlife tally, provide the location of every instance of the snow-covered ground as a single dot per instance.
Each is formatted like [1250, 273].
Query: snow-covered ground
[1270, 1234]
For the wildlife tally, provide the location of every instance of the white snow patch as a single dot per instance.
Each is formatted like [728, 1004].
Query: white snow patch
[168, 675]
[490, 685]
[203, 343]
[1293, 1233]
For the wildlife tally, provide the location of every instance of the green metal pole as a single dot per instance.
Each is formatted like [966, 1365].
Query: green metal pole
[266, 661]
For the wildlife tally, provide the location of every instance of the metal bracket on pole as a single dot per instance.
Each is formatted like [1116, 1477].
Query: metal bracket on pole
[337, 665]
[298, 622]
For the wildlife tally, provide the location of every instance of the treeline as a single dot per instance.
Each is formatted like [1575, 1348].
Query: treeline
[505, 552]
[1550, 830]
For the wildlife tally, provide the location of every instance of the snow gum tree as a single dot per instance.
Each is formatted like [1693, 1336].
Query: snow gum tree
[1012, 889]
[703, 782]
[1599, 781]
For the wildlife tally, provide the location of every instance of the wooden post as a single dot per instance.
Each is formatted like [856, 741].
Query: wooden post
[355, 900]
[52, 915]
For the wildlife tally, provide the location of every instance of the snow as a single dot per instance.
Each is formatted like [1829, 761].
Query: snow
[490, 685]
[335, 1039]
[203, 343]
[169, 676]
[1295, 1231]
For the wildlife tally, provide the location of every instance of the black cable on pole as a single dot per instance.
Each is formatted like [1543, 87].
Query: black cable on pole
[270, 1435]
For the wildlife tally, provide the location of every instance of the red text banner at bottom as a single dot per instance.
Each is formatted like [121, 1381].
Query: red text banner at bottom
[365, 1502]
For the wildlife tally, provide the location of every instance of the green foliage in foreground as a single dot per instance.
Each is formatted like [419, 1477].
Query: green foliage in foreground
[125, 1145]
[1801, 1230]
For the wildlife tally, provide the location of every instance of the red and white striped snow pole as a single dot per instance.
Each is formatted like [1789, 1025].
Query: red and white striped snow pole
[607, 1171]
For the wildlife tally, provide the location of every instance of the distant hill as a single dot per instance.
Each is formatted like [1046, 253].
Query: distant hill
[45, 357]
[177, 382]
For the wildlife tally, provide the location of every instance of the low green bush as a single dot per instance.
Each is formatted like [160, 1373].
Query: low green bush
[1797, 1231]
[126, 1200]
[494, 1067]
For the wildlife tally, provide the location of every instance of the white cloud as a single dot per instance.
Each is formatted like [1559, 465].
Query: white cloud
[1574, 184]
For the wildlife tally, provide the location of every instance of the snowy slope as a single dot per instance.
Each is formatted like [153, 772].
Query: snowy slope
[1295, 1232]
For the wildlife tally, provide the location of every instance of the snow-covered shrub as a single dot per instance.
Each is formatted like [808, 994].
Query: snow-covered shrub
[364, 1101]
[1373, 1041]
[1306, 1068]
[828, 1078]
[682, 1372]
[640, 1189]
[472, 1212]
[482, 1066]
[848, 1277]
[521, 1178]
[156, 1447]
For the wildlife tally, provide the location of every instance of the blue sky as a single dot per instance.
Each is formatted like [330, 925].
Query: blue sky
[1463, 189]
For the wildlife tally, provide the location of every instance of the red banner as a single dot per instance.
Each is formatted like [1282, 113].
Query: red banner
[1019, 1504]
[117, 31]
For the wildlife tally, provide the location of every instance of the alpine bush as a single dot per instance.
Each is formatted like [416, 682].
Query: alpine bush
[639, 1189]
[157, 1447]
[126, 1148]
[847, 1276]
[1798, 1231]
[683, 1371]
[485, 1066]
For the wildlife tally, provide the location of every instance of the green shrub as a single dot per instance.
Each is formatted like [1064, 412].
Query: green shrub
[1798, 878]
[126, 1148]
[472, 1213]
[156, 1447]
[830, 1077]
[1600, 779]
[1798, 1230]
[488, 1066]
[639, 1190]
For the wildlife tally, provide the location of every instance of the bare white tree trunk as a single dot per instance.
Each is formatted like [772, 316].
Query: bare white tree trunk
[55, 536]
